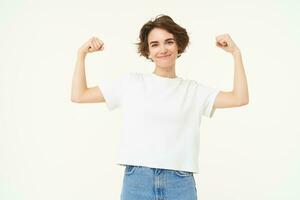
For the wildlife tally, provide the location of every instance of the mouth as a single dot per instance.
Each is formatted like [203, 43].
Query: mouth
[166, 56]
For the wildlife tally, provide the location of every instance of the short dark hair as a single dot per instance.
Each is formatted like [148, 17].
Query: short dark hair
[164, 22]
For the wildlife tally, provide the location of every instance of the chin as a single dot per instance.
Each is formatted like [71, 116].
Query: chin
[165, 65]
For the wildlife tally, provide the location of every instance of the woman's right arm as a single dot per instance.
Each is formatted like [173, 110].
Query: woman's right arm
[80, 92]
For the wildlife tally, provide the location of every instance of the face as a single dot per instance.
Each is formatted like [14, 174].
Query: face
[163, 49]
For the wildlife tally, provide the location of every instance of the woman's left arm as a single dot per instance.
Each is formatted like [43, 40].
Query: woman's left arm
[239, 95]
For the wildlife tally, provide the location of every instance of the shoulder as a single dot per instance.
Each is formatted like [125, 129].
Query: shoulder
[137, 76]
[132, 74]
[198, 84]
[190, 82]
[131, 78]
[201, 87]
[128, 76]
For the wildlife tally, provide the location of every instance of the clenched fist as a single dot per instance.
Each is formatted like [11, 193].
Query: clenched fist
[226, 43]
[92, 45]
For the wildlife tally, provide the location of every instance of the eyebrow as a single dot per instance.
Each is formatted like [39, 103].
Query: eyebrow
[165, 40]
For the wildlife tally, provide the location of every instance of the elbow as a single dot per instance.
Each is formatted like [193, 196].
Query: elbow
[241, 100]
[76, 96]
[75, 99]
[244, 102]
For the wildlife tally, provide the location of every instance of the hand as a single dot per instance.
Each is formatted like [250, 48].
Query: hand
[226, 43]
[92, 45]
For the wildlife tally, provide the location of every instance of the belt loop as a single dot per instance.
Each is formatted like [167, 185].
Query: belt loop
[157, 171]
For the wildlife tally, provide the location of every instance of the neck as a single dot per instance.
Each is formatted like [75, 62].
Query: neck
[165, 72]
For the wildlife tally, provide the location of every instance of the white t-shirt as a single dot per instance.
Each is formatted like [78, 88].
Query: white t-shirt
[161, 119]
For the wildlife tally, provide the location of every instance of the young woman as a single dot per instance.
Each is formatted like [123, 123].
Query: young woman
[161, 111]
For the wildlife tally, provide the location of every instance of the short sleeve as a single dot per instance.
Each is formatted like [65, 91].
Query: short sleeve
[207, 97]
[112, 90]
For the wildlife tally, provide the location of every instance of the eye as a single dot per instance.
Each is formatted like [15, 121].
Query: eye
[153, 45]
[170, 42]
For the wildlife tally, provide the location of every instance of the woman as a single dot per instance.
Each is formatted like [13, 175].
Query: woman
[161, 111]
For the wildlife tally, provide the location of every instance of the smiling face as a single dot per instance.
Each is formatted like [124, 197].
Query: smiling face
[163, 49]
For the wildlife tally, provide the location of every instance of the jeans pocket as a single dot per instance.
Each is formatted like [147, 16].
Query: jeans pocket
[129, 169]
[183, 173]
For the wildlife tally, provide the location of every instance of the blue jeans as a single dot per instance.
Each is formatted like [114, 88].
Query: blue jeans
[145, 183]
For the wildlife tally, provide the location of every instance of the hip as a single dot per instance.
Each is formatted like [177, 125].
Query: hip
[141, 182]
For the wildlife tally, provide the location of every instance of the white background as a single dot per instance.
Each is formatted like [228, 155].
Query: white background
[51, 148]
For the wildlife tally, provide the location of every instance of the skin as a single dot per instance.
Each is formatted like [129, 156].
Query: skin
[162, 43]
[163, 50]
[165, 67]
[239, 95]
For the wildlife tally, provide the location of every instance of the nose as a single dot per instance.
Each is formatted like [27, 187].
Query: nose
[163, 49]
